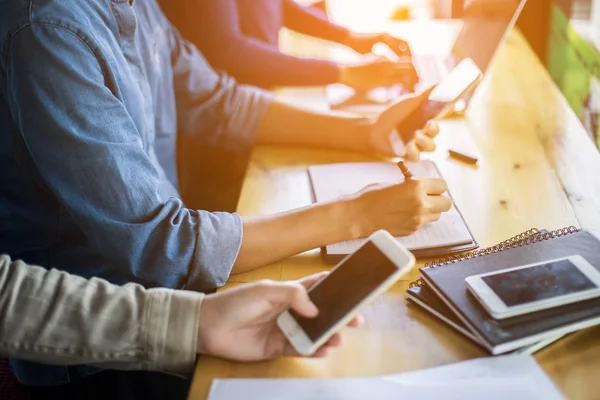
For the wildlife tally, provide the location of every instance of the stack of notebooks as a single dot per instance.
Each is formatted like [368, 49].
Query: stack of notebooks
[442, 291]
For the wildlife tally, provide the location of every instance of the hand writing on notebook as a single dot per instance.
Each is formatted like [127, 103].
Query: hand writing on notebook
[392, 117]
[240, 323]
[401, 208]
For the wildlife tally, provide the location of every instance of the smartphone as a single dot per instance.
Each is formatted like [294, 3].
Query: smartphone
[352, 284]
[440, 102]
[535, 287]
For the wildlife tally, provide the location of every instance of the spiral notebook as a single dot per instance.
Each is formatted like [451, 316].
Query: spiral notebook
[422, 296]
[444, 281]
[450, 234]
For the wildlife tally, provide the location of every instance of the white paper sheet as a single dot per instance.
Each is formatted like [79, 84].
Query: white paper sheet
[499, 378]
[332, 181]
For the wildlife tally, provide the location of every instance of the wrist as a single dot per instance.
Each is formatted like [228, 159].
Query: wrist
[348, 133]
[204, 325]
[337, 221]
[351, 217]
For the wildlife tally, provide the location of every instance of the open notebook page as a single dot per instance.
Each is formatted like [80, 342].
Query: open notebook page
[334, 180]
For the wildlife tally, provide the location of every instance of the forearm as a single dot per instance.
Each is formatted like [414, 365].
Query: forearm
[56, 318]
[271, 238]
[215, 27]
[288, 125]
[313, 22]
[262, 64]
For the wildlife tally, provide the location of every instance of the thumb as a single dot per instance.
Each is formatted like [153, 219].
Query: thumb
[293, 295]
[400, 110]
[311, 280]
[415, 100]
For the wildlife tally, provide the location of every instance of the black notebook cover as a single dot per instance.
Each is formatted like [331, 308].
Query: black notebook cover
[503, 336]
[426, 298]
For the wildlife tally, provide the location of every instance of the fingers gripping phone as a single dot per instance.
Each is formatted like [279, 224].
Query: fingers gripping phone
[439, 103]
[351, 285]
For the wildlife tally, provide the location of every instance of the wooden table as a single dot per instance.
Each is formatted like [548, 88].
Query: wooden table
[537, 168]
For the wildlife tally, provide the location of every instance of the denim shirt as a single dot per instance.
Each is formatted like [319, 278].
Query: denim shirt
[91, 95]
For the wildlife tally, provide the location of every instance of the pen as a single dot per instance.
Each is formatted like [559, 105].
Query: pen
[463, 157]
[405, 171]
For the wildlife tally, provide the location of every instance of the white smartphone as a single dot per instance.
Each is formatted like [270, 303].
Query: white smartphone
[352, 284]
[440, 102]
[535, 287]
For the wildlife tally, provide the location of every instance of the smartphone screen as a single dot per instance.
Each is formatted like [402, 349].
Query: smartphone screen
[452, 88]
[538, 282]
[417, 119]
[345, 288]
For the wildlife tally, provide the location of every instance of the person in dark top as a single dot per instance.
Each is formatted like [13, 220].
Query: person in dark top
[241, 37]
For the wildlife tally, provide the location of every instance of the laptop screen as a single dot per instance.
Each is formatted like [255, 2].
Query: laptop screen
[485, 23]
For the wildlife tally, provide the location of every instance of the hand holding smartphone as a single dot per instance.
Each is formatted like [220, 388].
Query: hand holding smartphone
[438, 102]
[353, 283]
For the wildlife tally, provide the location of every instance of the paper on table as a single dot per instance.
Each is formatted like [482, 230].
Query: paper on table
[332, 181]
[360, 389]
[509, 367]
[517, 377]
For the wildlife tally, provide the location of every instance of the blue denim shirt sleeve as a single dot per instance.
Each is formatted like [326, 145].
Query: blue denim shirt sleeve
[211, 106]
[92, 158]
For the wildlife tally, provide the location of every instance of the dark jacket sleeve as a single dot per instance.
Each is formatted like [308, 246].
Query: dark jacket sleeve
[312, 21]
[214, 26]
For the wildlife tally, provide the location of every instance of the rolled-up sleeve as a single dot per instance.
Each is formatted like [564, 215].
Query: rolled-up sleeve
[92, 158]
[222, 233]
[49, 316]
[212, 107]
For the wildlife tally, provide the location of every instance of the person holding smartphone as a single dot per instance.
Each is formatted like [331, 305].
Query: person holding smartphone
[52, 317]
[241, 37]
[95, 97]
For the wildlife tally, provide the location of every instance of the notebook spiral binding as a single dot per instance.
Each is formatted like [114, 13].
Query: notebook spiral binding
[523, 239]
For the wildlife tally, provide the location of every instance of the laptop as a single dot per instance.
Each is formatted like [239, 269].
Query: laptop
[485, 26]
